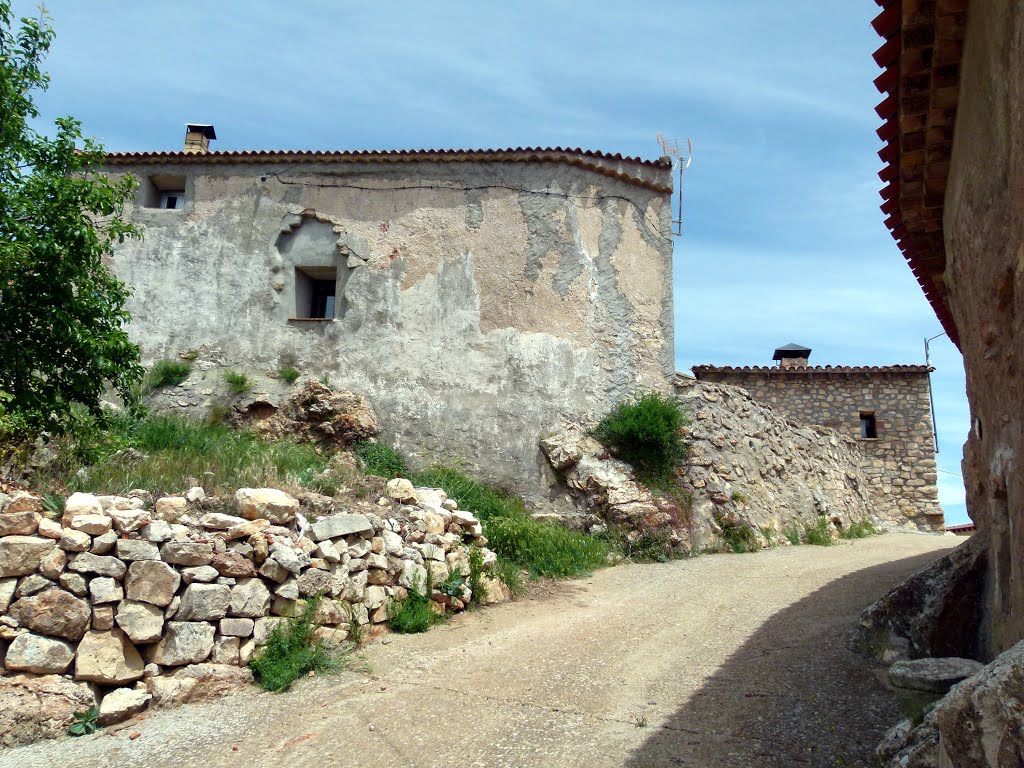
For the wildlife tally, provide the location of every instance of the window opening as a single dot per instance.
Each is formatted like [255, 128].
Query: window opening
[868, 426]
[316, 294]
[173, 200]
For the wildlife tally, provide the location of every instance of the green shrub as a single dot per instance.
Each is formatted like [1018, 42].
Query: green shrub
[739, 538]
[289, 374]
[511, 575]
[414, 614]
[859, 529]
[818, 533]
[84, 723]
[793, 534]
[291, 653]
[380, 460]
[238, 383]
[167, 373]
[645, 433]
[647, 547]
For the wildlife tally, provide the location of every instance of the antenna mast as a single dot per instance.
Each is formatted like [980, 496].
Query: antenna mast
[680, 161]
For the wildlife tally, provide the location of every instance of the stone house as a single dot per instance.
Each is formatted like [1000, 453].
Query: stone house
[952, 108]
[886, 409]
[475, 297]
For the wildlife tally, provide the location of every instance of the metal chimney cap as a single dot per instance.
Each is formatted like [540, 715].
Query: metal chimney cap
[790, 351]
[204, 128]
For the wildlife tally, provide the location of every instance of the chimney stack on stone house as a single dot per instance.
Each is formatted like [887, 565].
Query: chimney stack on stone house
[886, 409]
[792, 356]
[198, 137]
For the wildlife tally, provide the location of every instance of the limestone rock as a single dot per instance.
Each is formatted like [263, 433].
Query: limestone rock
[225, 650]
[121, 704]
[184, 642]
[7, 589]
[74, 584]
[932, 675]
[187, 553]
[266, 503]
[401, 490]
[157, 531]
[264, 626]
[199, 682]
[50, 529]
[29, 585]
[103, 617]
[152, 581]
[289, 558]
[105, 590]
[52, 565]
[335, 526]
[23, 501]
[40, 655]
[82, 504]
[234, 565]
[129, 520]
[94, 525]
[135, 549]
[237, 627]
[21, 555]
[493, 590]
[195, 493]
[54, 612]
[319, 414]
[250, 598]
[245, 530]
[142, 622]
[108, 658]
[22, 523]
[104, 543]
[170, 508]
[204, 602]
[203, 574]
[33, 708]
[218, 521]
[74, 541]
[100, 565]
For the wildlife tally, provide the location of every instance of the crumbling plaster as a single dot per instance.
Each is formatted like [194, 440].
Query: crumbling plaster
[486, 300]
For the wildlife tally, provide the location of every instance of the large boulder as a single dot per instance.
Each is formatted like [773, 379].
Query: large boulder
[184, 642]
[319, 414]
[108, 658]
[266, 503]
[21, 555]
[54, 612]
[932, 675]
[40, 655]
[333, 526]
[151, 581]
[249, 599]
[142, 622]
[33, 708]
[204, 602]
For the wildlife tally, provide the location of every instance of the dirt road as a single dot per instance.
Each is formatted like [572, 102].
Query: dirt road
[724, 660]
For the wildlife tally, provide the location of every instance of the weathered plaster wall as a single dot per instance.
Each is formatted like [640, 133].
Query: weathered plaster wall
[900, 462]
[984, 234]
[483, 300]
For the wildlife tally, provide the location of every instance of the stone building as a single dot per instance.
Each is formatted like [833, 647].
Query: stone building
[474, 297]
[886, 409]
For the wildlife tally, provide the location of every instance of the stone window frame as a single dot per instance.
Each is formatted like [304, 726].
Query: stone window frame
[868, 425]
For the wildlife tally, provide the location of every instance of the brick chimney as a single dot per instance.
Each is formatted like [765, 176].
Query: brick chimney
[792, 356]
[198, 137]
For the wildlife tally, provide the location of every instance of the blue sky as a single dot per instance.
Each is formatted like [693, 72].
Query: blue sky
[783, 240]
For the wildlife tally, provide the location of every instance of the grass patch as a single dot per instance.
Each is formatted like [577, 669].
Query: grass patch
[793, 534]
[818, 533]
[511, 574]
[414, 614]
[739, 538]
[537, 546]
[647, 547]
[380, 460]
[167, 450]
[238, 383]
[645, 433]
[859, 529]
[739, 497]
[291, 653]
[167, 373]
[288, 374]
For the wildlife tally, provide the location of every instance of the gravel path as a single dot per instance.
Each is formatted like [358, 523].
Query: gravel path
[724, 660]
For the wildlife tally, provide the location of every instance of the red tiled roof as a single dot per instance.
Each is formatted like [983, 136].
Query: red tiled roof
[579, 157]
[920, 83]
[771, 369]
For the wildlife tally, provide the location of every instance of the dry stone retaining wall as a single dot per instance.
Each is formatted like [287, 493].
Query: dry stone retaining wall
[136, 603]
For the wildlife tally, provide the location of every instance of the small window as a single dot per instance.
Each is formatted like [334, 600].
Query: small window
[316, 290]
[174, 200]
[868, 428]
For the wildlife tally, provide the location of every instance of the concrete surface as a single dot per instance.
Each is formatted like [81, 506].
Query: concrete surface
[724, 660]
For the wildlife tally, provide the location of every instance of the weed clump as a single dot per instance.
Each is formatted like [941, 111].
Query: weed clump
[793, 534]
[288, 374]
[380, 460]
[414, 614]
[291, 652]
[238, 383]
[859, 529]
[645, 433]
[738, 538]
[818, 533]
[167, 373]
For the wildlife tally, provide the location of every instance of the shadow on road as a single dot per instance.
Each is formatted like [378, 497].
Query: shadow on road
[794, 694]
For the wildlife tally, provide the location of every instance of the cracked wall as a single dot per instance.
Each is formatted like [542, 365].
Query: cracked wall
[484, 301]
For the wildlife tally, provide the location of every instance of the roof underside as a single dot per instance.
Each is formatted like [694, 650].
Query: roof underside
[627, 169]
[921, 83]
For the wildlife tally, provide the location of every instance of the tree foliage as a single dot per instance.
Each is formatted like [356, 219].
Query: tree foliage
[62, 313]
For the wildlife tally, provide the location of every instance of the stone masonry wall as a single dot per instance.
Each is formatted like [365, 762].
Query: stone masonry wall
[749, 463]
[142, 602]
[900, 461]
[483, 301]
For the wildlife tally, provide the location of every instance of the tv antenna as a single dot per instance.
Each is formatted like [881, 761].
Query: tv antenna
[680, 161]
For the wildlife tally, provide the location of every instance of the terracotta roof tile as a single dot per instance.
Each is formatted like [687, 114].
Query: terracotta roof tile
[772, 369]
